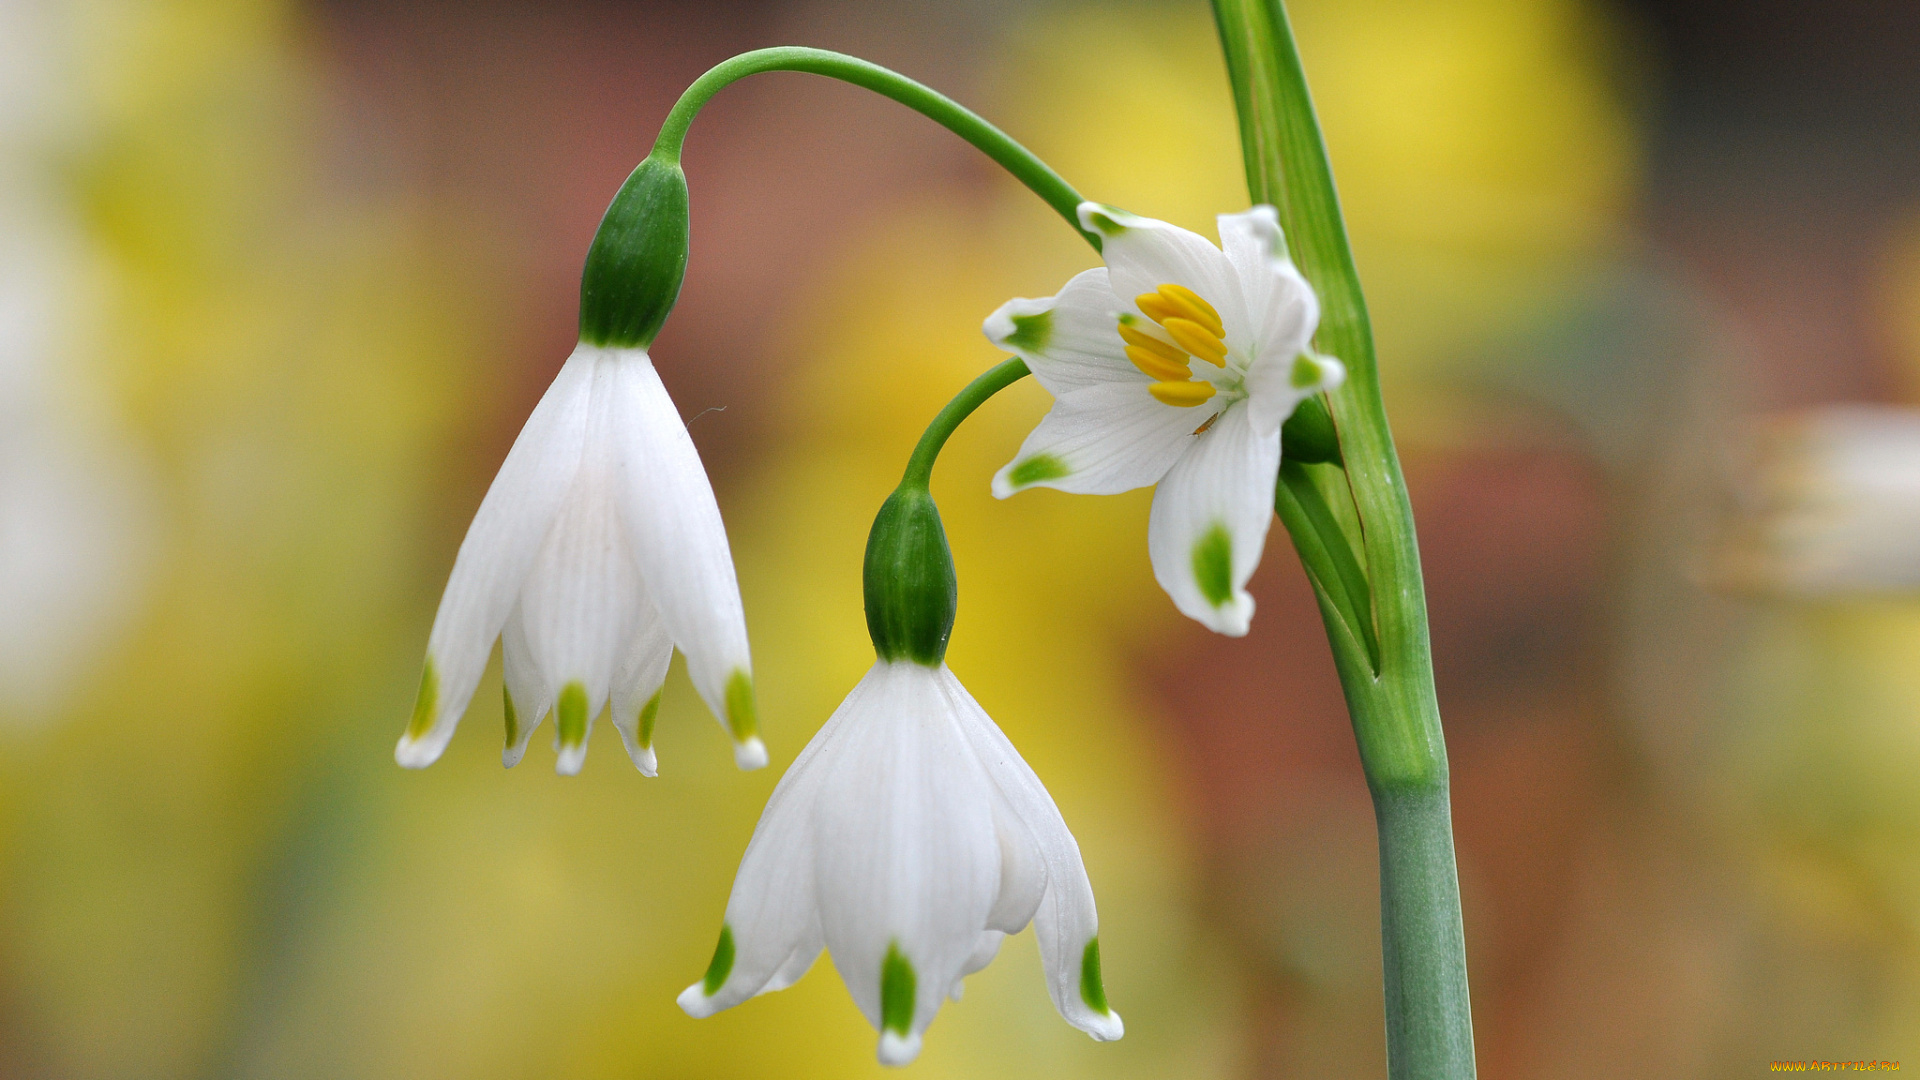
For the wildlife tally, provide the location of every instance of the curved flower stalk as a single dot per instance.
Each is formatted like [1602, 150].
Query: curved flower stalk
[1175, 364]
[599, 547]
[909, 838]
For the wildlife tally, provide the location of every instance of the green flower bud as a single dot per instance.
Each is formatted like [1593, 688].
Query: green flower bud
[637, 260]
[1308, 436]
[910, 588]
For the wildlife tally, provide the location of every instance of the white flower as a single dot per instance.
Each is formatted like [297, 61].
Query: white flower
[598, 548]
[908, 840]
[1174, 364]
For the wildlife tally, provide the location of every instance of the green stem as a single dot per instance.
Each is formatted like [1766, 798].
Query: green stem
[920, 466]
[1396, 717]
[939, 108]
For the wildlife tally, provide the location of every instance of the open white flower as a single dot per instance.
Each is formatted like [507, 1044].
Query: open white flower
[1175, 364]
[598, 549]
[908, 840]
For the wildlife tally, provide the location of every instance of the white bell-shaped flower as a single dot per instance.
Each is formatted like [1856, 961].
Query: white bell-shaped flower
[907, 840]
[597, 550]
[1175, 364]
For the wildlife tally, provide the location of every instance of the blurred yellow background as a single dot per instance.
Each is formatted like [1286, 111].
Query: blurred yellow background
[279, 282]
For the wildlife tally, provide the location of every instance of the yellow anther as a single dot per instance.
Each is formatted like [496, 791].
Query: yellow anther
[1157, 366]
[1194, 338]
[1184, 395]
[1195, 308]
[1133, 335]
[1156, 307]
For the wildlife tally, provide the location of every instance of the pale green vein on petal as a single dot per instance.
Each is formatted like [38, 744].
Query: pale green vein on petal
[722, 964]
[1092, 990]
[1030, 332]
[896, 992]
[423, 706]
[1039, 467]
[572, 713]
[1213, 564]
[743, 718]
[1306, 372]
[649, 713]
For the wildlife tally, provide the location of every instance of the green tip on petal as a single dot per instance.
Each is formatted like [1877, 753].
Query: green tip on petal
[1092, 990]
[1030, 332]
[1213, 565]
[423, 706]
[1103, 221]
[743, 717]
[572, 714]
[513, 718]
[722, 963]
[1037, 468]
[649, 713]
[1306, 372]
[896, 992]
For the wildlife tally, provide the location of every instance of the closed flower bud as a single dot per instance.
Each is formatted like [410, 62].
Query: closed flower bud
[637, 260]
[910, 589]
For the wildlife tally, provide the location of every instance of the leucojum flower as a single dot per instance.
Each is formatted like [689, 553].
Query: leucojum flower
[599, 547]
[909, 838]
[1175, 364]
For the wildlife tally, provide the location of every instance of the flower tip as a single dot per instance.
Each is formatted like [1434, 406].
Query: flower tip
[749, 753]
[510, 755]
[898, 1050]
[572, 756]
[415, 753]
[644, 760]
[695, 1002]
[1105, 1027]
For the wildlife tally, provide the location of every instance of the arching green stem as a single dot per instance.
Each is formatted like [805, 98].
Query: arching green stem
[920, 465]
[939, 108]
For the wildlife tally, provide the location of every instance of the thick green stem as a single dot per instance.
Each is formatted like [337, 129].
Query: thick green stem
[990, 140]
[1396, 718]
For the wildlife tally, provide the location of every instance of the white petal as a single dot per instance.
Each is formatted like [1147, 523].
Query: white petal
[583, 599]
[1070, 341]
[1281, 305]
[1143, 254]
[907, 859]
[636, 686]
[499, 549]
[1276, 386]
[773, 913]
[681, 546]
[1209, 521]
[1066, 924]
[985, 948]
[528, 697]
[1101, 440]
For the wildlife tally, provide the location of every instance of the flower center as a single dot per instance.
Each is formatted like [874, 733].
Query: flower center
[1184, 327]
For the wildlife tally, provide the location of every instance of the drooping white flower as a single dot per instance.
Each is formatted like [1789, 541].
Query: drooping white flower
[1175, 364]
[598, 549]
[908, 839]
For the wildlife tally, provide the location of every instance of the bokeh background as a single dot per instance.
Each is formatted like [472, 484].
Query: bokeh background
[280, 281]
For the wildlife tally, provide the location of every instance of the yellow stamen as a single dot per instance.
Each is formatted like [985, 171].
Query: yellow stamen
[1156, 307]
[1183, 395]
[1194, 338]
[1195, 308]
[1134, 336]
[1157, 366]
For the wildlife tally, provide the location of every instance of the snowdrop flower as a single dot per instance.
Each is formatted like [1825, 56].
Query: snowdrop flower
[909, 838]
[599, 546]
[1175, 364]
